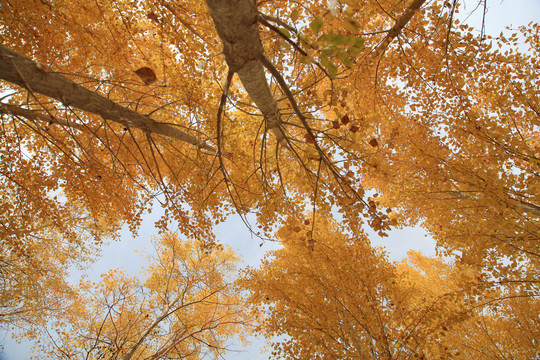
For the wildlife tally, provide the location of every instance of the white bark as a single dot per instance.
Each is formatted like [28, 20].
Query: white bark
[236, 22]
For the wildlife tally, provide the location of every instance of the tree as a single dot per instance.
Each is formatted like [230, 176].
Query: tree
[416, 44]
[386, 112]
[187, 307]
[508, 329]
[341, 298]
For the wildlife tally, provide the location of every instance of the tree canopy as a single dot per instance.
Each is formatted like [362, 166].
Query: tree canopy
[340, 298]
[316, 119]
[186, 307]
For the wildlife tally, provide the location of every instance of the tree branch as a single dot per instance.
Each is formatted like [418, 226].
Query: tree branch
[297, 47]
[398, 26]
[236, 25]
[36, 115]
[22, 71]
[523, 205]
[182, 21]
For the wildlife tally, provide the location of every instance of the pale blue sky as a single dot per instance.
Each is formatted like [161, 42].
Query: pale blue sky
[123, 254]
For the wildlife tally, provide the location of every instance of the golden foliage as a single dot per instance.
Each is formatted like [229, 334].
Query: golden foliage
[394, 113]
[186, 307]
[328, 295]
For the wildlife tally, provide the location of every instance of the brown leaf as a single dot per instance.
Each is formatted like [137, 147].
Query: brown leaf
[309, 139]
[373, 142]
[354, 128]
[152, 16]
[335, 124]
[345, 119]
[147, 75]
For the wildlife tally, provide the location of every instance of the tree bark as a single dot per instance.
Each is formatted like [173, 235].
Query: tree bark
[236, 22]
[398, 26]
[20, 70]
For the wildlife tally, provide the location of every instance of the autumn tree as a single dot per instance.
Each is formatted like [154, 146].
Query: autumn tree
[506, 328]
[186, 307]
[342, 298]
[272, 109]
[367, 77]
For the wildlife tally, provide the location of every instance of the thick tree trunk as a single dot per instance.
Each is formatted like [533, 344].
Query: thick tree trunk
[237, 27]
[24, 72]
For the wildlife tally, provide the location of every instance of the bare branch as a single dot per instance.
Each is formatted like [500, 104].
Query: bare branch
[36, 115]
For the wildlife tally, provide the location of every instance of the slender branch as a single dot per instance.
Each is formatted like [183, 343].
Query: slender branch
[36, 115]
[268, 18]
[292, 43]
[263, 21]
[226, 176]
[527, 207]
[182, 21]
[530, 208]
[281, 81]
[343, 184]
[171, 309]
[450, 23]
[221, 108]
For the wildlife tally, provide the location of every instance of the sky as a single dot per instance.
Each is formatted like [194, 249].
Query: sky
[124, 254]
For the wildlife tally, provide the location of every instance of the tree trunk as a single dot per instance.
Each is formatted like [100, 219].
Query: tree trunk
[237, 26]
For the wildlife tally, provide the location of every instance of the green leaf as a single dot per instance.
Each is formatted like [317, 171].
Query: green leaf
[351, 40]
[304, 38]
[359, 42]
[285, 45]
[329, 66]
[354, 51]
[350, 25]
[356, 47]
[306, 60]
[338, 39]
[324, 61]
[345, 58]
[295, 15]
[332, 70]
[327, 52]
[285, 32]
[316, 25]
